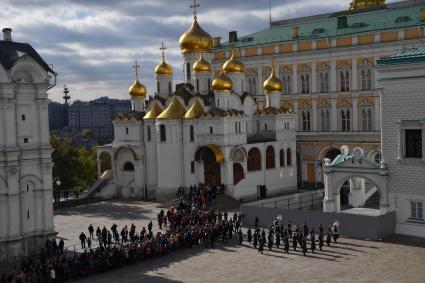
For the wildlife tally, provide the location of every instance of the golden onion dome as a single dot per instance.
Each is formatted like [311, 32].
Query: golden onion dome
[164, 69]
[174, 111]
[273, 84]
[361, 4]
[195, 111]
[233, 65]
[154, 112]
[202, 66]
[137, 90]
[222, 83]
[195, 39]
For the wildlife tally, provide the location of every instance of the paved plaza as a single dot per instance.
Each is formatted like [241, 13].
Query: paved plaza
[394, 260]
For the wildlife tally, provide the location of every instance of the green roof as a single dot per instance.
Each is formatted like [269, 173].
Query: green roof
[403, 57]
[392, 16]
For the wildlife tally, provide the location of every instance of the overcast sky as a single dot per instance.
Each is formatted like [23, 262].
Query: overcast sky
[93, 43]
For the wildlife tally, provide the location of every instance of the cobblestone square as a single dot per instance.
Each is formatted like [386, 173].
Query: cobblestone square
[394, 260]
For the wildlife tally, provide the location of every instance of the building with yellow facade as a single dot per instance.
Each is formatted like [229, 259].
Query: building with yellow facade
[327, 64]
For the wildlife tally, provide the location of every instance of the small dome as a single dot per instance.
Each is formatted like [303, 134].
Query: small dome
[154, 112]
[164, 69]
[202, 66]
[195, 39]
[222, 83]
[137, 90]
[174, 111]
[273, 84]
[233, 65]
[195, 111]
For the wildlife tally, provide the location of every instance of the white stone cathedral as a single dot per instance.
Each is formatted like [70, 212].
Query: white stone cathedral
[26, 207]
[210, 130]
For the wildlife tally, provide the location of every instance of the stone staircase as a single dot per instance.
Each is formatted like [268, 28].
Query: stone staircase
[373, 201]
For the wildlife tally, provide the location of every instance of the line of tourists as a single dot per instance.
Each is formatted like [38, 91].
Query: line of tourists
[179, 228]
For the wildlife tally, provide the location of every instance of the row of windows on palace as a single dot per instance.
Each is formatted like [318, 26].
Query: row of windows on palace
[345, 119]
[304, 82]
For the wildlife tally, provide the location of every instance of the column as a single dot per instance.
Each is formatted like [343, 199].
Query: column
[294, 79]
[314, 113]
[354, 81]
[355, 124]
[295, 105]
[313, 77]
[332, 76]
[260, 80]
[377, 113]
[334, 115]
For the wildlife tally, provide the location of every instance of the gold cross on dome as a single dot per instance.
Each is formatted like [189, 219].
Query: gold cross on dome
[163, 48]
[195, 7]
[136, 68]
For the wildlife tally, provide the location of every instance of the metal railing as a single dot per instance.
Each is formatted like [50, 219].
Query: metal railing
[308, 202]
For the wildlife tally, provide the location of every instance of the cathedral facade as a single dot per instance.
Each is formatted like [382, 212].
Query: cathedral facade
[26, 207]
[327, 63]
[210, 130]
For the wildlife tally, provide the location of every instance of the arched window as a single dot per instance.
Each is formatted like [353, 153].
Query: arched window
[158, 89]
[322, 83]
[326, 82]
[378, 157]
[282, 157]
[369, 79]
[345, 120]
[149, 133]
[369, 120]
[302, 84]
[306, 121]
[270, 162]
[192, 133]
[188, 70]
[128, 166]
[238, 173]
[169, 87]
[363, 80]
[288, 157]
[197, 85]
[209, 85]
[307, 83]
[345, 81]
[254, 159]
[162, 133]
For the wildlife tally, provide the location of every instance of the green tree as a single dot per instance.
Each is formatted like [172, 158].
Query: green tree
[74, 167]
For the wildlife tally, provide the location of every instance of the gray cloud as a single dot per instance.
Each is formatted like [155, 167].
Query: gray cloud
[93, 43]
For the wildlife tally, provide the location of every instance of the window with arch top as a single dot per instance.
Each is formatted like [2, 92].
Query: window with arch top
[270, 162]
[162, 133]
[282, 157]
[128, 166]
[254, 159]
[289, 157]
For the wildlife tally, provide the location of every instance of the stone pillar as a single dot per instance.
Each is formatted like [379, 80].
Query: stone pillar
[355, 113]
[294, 79]
[332, 75]
[334, 114]
[354, 81]
[313, 77]
[377, 113]
[314, 113]
[260, 80]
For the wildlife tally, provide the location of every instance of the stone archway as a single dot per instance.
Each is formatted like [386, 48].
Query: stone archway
[326, 153]
[211, 156]
[352, 166]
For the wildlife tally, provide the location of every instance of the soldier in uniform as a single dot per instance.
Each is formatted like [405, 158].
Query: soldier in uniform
[261, 245]
[240, 238]
[305, 228]
[277, 239]
[329, 236]
[320, 240]
[286, 240]
[304, 244]
[312, 240]
[249, 233]
[270, 241]
[294, 241]
[255, 239]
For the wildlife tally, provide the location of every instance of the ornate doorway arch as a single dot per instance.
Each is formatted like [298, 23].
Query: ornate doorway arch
[350, 166]
[211, 156]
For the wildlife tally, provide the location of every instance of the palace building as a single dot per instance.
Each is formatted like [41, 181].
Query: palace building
[327, 64]
[210, 130]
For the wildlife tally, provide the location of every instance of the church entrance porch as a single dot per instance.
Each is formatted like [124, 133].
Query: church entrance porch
[211, 157]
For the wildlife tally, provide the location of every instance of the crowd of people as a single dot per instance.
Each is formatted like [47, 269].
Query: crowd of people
[285, 235]
[188, 224]
[180, 227]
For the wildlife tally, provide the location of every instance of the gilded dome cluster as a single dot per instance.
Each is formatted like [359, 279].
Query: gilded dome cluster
[202, 66]
[233, 65]
[222, 83]
[195, 39]
[272, 84]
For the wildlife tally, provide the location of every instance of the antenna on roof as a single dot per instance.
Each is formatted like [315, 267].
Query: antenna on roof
[270, 12]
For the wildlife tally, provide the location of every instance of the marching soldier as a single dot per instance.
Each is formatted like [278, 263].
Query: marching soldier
[286, 240]
[277, 240]
[255, 239]
[320, 240]
[270, 241]
[329, 236]
[312, 240]
[304, 244]
[249, 233]
[294, 241]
